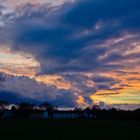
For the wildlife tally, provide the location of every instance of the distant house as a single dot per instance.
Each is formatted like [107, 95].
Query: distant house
[65, 114]
[41, 114]
[46, 115]
[8, 114]
[38, 114]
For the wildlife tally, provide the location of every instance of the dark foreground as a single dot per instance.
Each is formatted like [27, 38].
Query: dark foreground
[69, 129]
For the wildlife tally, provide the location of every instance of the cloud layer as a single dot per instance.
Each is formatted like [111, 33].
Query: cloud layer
[87, 43]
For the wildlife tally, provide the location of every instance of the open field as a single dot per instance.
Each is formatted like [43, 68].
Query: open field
[69, 129]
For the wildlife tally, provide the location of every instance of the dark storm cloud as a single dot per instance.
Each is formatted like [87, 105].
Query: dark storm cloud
[79, 83]
[13, 88]
[59, 39]
[103, 79]
[12, 97]
[106, 83]
[124, 11]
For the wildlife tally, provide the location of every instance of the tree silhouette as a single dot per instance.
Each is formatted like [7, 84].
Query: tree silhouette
[24, 109]
[78, 109]
[25, 106]
[48, 106]
[13, 108]
[95, 107]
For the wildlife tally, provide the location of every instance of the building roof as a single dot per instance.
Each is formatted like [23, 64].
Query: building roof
[64, 112]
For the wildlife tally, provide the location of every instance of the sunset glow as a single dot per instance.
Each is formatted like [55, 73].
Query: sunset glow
[17, 63]
[72, 56]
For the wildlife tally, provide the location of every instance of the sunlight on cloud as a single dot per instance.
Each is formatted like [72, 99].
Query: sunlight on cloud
[16, 63]
[54, 80]
[136, 49]
[80, 101]
[123, 98]
[125, 92]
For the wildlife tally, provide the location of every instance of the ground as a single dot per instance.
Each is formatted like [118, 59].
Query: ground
[69, 129]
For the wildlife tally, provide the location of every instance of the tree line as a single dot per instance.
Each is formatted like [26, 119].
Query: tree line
[24, 108]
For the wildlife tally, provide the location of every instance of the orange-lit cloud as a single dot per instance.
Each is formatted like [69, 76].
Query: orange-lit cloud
[126, 92]
[17, 63]
[80, 101]
[54, 80]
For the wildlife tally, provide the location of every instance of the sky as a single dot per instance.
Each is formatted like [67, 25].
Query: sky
[70, 52]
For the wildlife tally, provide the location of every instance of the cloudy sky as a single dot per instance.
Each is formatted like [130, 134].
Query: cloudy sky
[70, 52]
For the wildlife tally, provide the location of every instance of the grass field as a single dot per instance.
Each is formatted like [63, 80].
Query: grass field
[69, 129]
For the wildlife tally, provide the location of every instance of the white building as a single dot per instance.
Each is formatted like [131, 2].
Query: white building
[8, 114]
[65, 114]
[38, 115]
